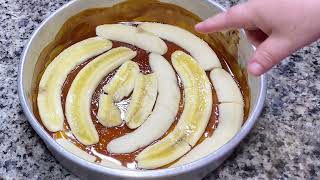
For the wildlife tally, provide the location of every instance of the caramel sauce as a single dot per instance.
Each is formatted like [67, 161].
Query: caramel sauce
[82, 26]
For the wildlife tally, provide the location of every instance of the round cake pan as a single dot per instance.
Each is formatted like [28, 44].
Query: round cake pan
[86, 170]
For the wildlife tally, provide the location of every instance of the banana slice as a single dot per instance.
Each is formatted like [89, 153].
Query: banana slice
[193, 120]
[49, 100]
[163, 114]
[230, 122]
[226, 88]
[69, 146]
[108, 113]
[163, 152]
[82, 88]
[111, 164]
[143, 98]
[132, 35]
[198, 48]
[198, 96]
[122, 83]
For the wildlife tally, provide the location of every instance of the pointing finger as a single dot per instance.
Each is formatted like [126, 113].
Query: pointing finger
[236, 17]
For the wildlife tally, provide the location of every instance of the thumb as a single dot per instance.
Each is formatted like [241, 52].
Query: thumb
[268, 54]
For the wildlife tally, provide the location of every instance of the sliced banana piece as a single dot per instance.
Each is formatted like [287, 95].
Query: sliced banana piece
[108, 113]
[49, 96]
[226, 88]
[143, 98]
[122, 83]
[230, 122]
[163, 152]
[163, 114]
[193, 120]
[132, 35]
[82, 88]
[168, 89]
[198, 96]
[198, 48]
[110, 164]
[72, 148]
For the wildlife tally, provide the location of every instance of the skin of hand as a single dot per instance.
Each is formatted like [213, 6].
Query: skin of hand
[277, 28]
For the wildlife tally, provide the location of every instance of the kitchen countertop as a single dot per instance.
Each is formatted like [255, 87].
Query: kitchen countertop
[284, 143]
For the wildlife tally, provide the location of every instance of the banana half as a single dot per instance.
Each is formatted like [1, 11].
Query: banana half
[111, 164]
[72, 148]
[49, 96]
[163, 114]
[231, 112]
[230, 122]
[143, 98]
[132, 35]
[82, 88]
[226, 88]
[198, 48]
[163, 152]
[108, 113]
[193, 120]
[122, 83]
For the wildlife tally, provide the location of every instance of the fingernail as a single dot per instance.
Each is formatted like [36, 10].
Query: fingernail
[256, 68]
[198, 26]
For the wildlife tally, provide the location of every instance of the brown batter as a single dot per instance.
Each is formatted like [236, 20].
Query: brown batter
[83, 25]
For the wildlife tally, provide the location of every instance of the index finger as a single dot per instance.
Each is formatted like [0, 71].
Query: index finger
[236, 17]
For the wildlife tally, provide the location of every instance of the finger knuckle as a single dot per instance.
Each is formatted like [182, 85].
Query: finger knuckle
[266, 58]
[231, 13]
[238, 13]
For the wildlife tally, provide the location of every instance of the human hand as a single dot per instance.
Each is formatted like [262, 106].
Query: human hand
[276, 27]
